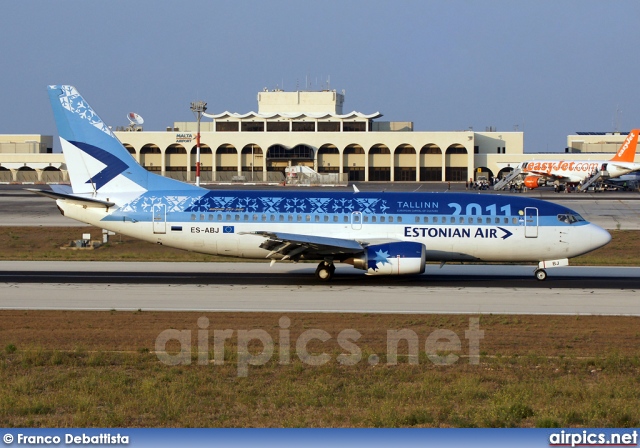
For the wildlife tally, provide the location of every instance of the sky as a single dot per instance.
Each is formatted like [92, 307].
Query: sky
[545, 67]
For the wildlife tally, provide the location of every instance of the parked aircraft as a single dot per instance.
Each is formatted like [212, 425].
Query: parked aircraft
[537, 173]
[380, 233]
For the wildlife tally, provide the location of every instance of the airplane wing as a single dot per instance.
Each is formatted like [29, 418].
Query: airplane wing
[89, 202]
[292, 245]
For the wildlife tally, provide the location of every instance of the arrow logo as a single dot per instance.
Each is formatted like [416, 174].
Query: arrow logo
[114, 165]
[507, 234]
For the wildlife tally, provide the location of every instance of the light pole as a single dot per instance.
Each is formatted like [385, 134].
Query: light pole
[198, 108]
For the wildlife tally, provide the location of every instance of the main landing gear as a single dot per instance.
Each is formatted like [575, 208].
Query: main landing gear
[325, 270]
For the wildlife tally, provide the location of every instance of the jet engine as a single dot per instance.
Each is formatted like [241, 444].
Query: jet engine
[398, 258]
[532, 182]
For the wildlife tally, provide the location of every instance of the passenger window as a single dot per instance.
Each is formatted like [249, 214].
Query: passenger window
[272, 218]
[506, 220]
[382, 219]
[299, 218]
[335, 218]
[365, 218]
[308, 218]
[479, 220]
[462, 220]
[264, 218]
[399, 218]
[425, 219]
[193, 217]
[201, 217]
[452, 220]
[418, 219]
[317, 218]
[435, 219]
[390, 218]
[471, 219]
[515, 220]
[246, 217]
[374, 219]
[346, 218]
[281, 218]
[326, 218]
[219, 217]
[290, 218]
[237, 217]
[228, 218]
[210, 217]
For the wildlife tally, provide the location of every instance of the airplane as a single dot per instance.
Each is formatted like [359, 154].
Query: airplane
[381, 233]
[538, 173]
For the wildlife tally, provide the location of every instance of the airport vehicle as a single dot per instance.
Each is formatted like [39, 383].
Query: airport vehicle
[380, 233]
[536, 173]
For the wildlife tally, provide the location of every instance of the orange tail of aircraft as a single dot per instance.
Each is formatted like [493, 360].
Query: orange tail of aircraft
[627, 152]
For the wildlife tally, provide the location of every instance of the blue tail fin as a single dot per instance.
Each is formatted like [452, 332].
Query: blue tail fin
[97, 162]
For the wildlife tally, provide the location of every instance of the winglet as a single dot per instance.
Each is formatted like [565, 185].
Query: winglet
[627, 151]
[355, 189]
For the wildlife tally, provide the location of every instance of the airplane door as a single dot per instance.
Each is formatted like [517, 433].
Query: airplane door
[356, 220]
[531, 222]
[159, 218]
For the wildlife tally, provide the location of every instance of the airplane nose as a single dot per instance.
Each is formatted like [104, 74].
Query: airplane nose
[598, 237]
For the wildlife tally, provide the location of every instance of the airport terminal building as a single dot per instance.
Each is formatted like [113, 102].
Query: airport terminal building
[303, 128]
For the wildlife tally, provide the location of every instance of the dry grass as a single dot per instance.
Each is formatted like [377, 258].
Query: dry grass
[63, 368]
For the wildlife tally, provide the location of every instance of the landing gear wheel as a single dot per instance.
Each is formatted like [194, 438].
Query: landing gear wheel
[325, 271]
[541, 274]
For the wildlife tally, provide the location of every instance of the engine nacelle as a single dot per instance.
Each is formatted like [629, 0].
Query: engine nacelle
[400, 258]
[532, 182]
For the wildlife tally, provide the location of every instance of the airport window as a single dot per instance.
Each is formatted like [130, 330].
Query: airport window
[277, 126]
[193, 217]
[357, 126]
[226, 126]
[328, 126]
[303, 126]
[252, 126]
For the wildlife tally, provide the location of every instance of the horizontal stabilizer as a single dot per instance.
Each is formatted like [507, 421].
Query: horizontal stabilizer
[89, 202]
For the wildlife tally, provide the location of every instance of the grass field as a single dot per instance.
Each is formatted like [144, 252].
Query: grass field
[100, 369]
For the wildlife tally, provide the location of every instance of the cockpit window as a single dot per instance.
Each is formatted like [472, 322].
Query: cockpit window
[570, 218]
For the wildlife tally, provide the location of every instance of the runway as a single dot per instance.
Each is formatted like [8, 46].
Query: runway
[229, 287]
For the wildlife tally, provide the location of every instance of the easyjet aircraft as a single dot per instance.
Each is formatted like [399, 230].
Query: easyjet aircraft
[541, 172]
[380, 233]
